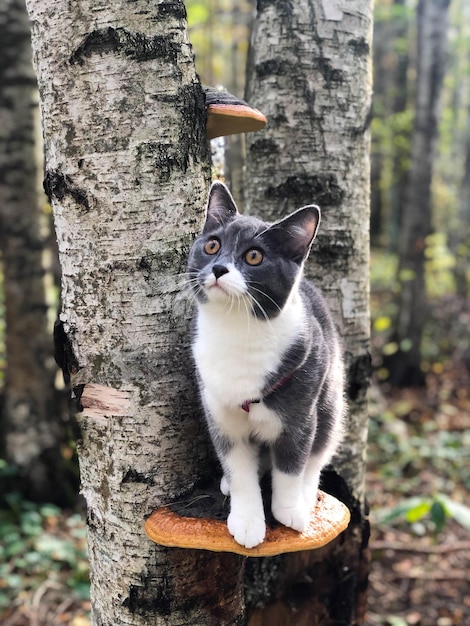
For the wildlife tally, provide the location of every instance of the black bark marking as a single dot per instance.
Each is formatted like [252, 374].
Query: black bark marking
[152, 597]
[331, 75]
[77, 396]
[171, 258]
[359, 373]
[136, 46]
[360, 46]
[191, 101]
[193, 592]
[275, 67]
[264, 147]
[58, 185]
[284, 7]
[63, 352]
[164, 157]
[357, 131]
[176, 156]
[133, 476]
[322, 189]
[331, 253]
[176, 10]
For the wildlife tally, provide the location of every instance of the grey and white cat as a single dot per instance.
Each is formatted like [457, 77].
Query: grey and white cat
[268, 361]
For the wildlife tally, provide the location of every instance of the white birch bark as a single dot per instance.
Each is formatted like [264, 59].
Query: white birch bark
[126, 170]
[310, 73]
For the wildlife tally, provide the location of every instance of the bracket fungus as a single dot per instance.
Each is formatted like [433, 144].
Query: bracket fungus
[200, 531]
[228, 115]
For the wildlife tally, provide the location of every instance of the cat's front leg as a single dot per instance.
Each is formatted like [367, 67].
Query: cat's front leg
[312, 473]
[288, 500]
[246, 519]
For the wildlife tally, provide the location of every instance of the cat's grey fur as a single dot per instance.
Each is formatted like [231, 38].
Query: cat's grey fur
[268, 361]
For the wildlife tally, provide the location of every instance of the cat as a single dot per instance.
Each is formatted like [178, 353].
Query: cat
[268, 361]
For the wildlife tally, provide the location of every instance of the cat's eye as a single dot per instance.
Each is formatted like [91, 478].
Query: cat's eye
[254, 256]
[212, 246]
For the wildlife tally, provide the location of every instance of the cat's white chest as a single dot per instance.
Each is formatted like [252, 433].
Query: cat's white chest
[236, 352]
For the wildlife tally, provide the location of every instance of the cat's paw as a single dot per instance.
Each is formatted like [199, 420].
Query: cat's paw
[224, 486]
[247, 530]
[296, 517]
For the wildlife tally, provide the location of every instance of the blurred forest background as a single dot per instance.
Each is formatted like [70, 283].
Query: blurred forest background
[419, 460]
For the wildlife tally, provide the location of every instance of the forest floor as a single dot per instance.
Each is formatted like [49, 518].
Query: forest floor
[418, 581]
[419, 466]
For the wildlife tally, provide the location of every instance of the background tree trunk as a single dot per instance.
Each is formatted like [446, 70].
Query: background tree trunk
[309, 71]
[127, 174]
[32, 431]
[405, 364]
[462, 236]
[402, 135]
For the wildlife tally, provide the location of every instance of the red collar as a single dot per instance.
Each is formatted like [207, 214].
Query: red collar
[246, 404]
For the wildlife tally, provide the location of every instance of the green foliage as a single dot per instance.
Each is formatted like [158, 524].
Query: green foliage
[408, 449]
[383, 270]
[422, 464]
[38, 543]
[445, 330]
[439, 266]
[421, 511]
[219, 34]
[384, 12]
[198, 13]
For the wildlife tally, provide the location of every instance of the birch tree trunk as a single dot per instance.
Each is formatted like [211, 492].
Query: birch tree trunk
[127, 174]
[405, 364]
[32, 432]
[309, 71]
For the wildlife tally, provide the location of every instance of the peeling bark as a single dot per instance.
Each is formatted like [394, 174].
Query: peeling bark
[309, 71]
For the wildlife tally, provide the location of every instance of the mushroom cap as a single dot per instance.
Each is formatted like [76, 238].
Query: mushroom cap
[228, 115]
[328, 519]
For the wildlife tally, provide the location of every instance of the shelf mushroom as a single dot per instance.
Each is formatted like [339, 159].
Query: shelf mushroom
[168, 528]
[228, 115]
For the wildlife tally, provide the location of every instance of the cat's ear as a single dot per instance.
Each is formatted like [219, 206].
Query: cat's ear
[221, 207]
[295, 233]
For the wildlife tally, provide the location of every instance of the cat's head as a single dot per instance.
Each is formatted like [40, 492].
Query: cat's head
[247, 264]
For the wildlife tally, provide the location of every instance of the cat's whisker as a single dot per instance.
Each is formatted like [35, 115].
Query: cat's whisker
[265, 295]
[187, 279]
[179, 277]
[265, 315]
[188, 287]
[246, 302]
[191, 294]
[238, 303]
[254, 303]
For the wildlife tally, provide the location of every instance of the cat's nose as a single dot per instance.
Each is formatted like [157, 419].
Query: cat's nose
[219, 270]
